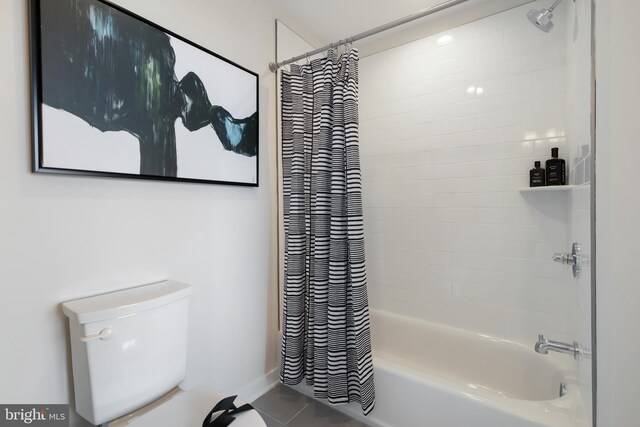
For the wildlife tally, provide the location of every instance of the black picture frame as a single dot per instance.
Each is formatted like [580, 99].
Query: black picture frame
[103, 77]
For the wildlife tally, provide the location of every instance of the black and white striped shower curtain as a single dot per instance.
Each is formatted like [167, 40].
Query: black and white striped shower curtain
[326, 333]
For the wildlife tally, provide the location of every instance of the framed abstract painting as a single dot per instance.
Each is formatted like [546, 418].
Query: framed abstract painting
[117, 95]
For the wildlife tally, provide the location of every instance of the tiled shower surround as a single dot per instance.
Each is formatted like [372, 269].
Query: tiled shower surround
[450, 126]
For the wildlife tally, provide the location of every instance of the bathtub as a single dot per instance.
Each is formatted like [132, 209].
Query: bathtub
[433, 375]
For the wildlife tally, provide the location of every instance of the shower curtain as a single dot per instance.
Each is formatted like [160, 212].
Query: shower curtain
[326, 335]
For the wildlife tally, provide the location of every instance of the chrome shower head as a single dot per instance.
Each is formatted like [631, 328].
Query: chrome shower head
[542, 18]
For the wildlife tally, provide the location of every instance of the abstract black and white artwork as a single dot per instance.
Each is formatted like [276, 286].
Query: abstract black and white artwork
[117, 95]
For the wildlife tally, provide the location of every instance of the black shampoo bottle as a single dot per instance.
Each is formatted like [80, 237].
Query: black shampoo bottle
[556, 170]
[536, 176]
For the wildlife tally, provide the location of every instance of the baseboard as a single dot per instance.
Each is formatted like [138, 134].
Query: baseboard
[260, 386]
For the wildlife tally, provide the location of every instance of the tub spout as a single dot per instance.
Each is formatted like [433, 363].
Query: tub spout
[544, 345]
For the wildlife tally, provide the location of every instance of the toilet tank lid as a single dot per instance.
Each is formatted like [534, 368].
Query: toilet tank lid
[125, 302]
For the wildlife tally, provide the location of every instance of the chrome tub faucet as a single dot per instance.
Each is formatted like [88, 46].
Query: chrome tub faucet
[544, 345]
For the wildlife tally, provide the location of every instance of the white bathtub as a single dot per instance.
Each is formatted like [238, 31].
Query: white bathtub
[432, 375]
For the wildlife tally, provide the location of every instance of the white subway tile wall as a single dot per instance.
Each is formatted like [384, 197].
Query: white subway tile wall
[449, 132]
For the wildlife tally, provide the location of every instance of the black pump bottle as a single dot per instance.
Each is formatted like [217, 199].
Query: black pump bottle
[556, 170]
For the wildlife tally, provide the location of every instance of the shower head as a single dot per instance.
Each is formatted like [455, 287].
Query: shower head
[542, 18]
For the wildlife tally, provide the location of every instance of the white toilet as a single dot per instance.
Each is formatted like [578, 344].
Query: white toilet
[129, 353]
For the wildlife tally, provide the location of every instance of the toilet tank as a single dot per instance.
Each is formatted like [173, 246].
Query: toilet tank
[127, 347]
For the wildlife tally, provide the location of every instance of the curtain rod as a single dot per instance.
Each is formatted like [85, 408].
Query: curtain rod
[273, 66]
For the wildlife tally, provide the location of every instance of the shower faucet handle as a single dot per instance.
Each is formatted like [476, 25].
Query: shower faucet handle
[564, 258]
[572, 259]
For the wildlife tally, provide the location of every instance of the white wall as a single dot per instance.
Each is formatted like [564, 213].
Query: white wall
[617, 207]
[449, 237]
[65, 237]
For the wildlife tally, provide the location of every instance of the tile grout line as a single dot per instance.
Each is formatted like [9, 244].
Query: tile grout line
[298, 413]
[277, 420]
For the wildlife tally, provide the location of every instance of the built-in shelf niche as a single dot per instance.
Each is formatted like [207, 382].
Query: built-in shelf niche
[550, 188]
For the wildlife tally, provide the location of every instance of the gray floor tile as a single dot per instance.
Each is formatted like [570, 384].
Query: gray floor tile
[317, 414]
[281, 403]
[270, 422]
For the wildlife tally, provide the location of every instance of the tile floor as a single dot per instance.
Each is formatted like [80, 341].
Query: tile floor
[284, 407]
